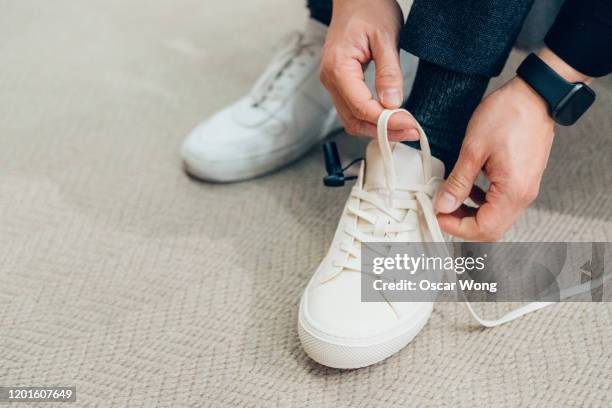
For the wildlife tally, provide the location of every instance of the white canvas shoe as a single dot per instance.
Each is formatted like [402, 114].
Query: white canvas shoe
[286, 113]
[390, 202]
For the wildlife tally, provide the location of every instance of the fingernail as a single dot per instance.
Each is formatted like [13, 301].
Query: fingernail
[391, 98]
[445, 203]
[413, 134]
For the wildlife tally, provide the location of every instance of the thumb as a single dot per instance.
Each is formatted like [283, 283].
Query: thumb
[389, 79]
[458, 185]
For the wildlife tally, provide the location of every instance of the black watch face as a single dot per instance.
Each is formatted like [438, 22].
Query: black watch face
[571, 108]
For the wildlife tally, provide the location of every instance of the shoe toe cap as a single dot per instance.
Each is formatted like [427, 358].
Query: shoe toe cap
[337, 330]
[224, 149]
[335, 308]
[215, 140]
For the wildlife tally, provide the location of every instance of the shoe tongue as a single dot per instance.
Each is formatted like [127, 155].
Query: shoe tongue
[407, 162]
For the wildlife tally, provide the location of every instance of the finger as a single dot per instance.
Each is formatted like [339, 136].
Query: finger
[461, 223]
[352, 126]
[403, 135]
[358, 127]
[486, 223]
[477, 195]
[403, 121]
[350, 84]
[459, 184]
[389, 79]
[462, 212]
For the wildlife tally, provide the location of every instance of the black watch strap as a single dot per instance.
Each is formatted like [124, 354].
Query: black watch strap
[544, 80]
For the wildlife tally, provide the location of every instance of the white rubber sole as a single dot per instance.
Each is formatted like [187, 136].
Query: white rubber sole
[348, 353]
[240, 170]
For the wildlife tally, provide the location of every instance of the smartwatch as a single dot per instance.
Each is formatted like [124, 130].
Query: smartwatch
[567, 101]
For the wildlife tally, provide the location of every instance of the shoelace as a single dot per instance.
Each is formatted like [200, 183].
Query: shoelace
[390, 218]
[268, 87]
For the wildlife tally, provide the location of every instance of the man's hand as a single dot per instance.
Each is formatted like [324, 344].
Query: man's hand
[509, 136]
[361, 31]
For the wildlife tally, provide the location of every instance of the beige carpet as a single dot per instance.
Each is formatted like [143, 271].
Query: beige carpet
[123, 277]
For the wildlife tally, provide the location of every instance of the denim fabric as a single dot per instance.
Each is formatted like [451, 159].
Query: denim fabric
[467, 36]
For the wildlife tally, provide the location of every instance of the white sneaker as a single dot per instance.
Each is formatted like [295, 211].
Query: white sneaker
[390, 202]
[286, 113]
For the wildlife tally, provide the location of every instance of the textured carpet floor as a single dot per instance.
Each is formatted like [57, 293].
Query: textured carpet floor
[142, 287]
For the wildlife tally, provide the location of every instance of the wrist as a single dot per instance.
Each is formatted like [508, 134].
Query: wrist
[527, 100]
[562, 87]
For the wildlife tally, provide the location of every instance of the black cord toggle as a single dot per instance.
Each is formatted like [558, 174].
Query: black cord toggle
[335, 172]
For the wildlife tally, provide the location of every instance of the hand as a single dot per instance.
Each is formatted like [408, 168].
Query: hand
[361, 31]
[509, 137]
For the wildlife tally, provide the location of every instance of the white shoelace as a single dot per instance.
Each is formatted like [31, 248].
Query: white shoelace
[294, 50]
[390, 217]
[384, 219]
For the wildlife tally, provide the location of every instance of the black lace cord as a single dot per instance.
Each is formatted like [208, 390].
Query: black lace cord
[335, 172]
[357, 160]
[351, 164]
